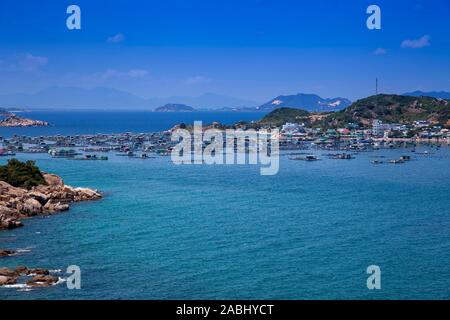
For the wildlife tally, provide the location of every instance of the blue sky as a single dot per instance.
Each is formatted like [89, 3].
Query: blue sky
[252, 49]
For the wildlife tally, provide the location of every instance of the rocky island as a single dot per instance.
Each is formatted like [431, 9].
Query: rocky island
[13, 120]
[175, 107]
[25, 192]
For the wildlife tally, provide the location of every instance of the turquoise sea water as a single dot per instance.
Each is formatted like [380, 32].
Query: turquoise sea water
[225, 232]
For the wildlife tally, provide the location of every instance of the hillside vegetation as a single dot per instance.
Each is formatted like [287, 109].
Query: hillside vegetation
[280, 116]
[21, 174]
[387, 108]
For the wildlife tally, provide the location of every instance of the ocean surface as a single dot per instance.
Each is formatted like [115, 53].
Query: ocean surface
[225, 232]
[92, 122]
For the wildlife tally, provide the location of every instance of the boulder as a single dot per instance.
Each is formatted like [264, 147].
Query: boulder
[4, 280]
[10, 223]
[38, 271]
[53, 179]
[6, 211]
[39, 196]
[8, 272]
[32, 207]
[83, 194]
[42, 281]
[6, 253]
[22, 270]
[54, 206]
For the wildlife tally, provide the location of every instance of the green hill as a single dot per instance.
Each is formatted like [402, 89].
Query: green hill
[280, 116]
[387, 108]
[392, 109]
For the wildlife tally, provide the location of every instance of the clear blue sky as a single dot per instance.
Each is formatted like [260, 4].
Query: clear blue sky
[253, 49]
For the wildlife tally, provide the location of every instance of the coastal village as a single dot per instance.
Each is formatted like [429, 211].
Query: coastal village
[292, 136]
[380, 121]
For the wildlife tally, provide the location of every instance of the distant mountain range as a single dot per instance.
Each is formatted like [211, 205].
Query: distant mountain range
[108, 98]
[433, 94]
[174, 107]
[308, 102]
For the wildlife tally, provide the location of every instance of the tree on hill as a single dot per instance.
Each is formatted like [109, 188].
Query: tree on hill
[21, 174]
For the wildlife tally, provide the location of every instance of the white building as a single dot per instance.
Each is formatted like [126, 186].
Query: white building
[290, 127]
[379, 128]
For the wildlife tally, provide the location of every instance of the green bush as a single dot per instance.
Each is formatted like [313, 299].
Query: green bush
[21, 174]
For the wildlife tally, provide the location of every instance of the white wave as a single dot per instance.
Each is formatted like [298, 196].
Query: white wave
[17, 286]
[55, 270]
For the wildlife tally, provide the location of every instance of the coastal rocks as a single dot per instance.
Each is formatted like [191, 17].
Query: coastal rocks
[18, 203]
[7, 253]
[35, 277]
[42, 281]
[22, 270]
[6, 272]
[4, 280]
[32, 207]
[54, 206]
[9, 218]
[53, 179]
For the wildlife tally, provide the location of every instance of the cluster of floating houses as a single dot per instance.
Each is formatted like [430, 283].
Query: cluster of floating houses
[90, 147]
[344, 143]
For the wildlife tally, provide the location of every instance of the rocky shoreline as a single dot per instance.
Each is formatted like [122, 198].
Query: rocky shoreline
[18, 203]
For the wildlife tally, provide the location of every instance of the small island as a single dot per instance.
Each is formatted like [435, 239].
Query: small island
[13, 120]
[174, 107]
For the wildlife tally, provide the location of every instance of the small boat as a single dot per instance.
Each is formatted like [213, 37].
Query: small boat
[307, 158]
[396, 161]
[343, 156]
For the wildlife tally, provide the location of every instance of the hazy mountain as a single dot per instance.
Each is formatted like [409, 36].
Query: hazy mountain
[108, 98]
[433, 94]
[174, 107]
[205, 101]
[308, 102]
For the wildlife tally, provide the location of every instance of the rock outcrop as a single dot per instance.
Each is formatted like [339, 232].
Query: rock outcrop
[31, 277]
[19, 203]
[7, 253]
[42, 281]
